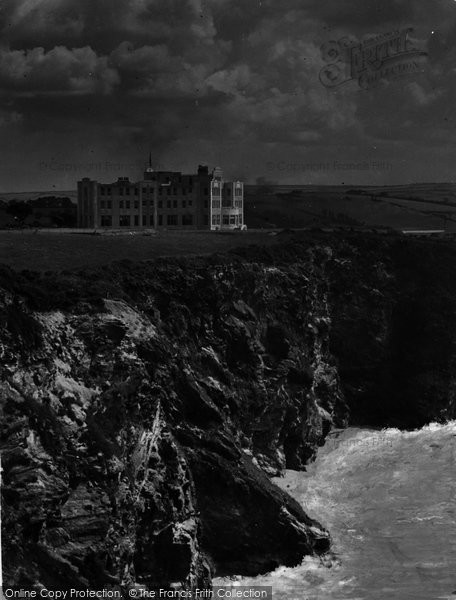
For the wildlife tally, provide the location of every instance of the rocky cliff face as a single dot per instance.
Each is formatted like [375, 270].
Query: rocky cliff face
[145, 406]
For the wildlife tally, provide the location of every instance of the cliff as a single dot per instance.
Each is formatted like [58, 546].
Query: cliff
[144, 406]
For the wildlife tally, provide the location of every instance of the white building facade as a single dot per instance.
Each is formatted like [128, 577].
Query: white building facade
[226, 203]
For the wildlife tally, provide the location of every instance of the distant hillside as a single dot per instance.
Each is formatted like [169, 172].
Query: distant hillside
[6, 197]
[424, 190]
[407, 206]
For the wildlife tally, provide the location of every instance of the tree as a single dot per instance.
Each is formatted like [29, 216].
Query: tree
[19, 209]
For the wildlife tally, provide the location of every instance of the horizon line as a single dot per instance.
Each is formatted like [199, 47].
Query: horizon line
[272, 184]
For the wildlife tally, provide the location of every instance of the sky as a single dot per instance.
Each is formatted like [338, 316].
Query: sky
[91, 87]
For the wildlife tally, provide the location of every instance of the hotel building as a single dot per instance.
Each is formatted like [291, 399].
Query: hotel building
[163, 199]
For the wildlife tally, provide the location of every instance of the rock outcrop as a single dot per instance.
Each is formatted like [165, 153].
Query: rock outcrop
[145, 407]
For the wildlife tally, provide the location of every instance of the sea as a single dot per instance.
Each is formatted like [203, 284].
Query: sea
[388, 499]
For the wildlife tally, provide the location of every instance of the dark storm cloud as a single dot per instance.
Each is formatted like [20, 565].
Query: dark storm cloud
[215, 78]
[102, 24]
[78, 71]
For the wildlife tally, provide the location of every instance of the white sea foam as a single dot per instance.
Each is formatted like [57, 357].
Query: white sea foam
[388, 499]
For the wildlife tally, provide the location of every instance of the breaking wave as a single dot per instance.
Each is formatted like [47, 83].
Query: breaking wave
[389, 500]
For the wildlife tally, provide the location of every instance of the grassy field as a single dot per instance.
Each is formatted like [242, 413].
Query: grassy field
[62, 251]
[402, 207]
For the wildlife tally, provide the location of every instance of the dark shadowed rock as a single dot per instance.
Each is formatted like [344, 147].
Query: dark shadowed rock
[144, 408]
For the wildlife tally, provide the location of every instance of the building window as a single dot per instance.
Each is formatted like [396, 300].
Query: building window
[127, 190]
[102, 190]
[144, 202]
[168, 204]
[215, 219]
[136, 204]
[232, 219]
[109, 191]
[106, 221]
[190, 202]
[124, 220]
[136, 191]
[215, 204]
[144, 190]
[120, 191]
[121, 204]
[174, 203]
[127, 204]
[160, 204]
[184, 204]
[152, 203]
[136, 220]
[187, 219]
[226, 219]
[171, 220]
[160, 219]
[109, 204]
